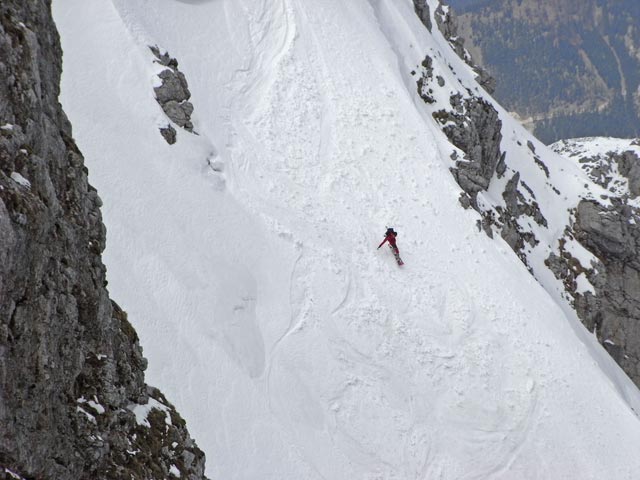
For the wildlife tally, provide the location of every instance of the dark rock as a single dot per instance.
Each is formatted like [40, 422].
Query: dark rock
[475, 129]
[71, 367]
[473, 125]
[164, 58]
[501, 166]
[173, 95]
[465, 200]
[422, 10]
[169, 134]
[174, 87]
[629, 166]
[542, 166]
[612, 234]
[423, 83]
[603, 231]
[176, 112]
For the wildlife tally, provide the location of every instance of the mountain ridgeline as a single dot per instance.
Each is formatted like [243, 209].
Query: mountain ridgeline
[567, 68]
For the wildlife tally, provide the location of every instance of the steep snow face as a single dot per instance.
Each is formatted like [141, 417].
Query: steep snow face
[246, 256]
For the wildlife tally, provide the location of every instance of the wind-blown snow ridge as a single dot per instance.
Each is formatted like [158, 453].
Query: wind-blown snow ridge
[291, 346]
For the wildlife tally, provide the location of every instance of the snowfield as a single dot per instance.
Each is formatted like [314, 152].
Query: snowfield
[292, 347]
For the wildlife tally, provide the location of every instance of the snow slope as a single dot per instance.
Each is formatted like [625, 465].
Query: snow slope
[290, 345]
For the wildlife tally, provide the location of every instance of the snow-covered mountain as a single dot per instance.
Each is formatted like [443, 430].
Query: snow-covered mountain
[245, 253]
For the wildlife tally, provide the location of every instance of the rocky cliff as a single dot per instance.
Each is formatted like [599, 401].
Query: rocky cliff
[585, 233]
[611, 231]
[73, 401]
[568, 69]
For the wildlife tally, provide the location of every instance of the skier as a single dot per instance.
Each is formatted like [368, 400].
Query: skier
[390, 236]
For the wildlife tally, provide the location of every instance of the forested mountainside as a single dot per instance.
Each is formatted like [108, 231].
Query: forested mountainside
[567, 68]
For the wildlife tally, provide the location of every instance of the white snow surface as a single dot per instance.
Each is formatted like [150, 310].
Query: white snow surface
[16, 177]
[11, 474]
[291, 346]
[594, 146]
[142, 411]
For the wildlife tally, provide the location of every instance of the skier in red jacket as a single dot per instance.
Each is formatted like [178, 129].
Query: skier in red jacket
[390, 236]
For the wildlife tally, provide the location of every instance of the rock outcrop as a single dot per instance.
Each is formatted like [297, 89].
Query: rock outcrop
[73, 400]
[173, 96]
[474, 127]
[422, 10]
[610, 230]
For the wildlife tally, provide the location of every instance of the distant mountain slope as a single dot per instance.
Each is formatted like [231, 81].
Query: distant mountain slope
[569, 69]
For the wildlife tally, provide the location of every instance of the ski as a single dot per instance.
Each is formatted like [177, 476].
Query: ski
[396, 255]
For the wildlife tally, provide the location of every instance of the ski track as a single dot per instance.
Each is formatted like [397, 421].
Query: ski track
[334, 362]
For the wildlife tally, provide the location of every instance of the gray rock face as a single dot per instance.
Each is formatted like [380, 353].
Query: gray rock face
[174, 87]
[604, 231]
[71, 367]
[612, 234]
[422, 10]
[629, 166]
[424, 80]
[173, 95]
[169, 134]
[474, 127]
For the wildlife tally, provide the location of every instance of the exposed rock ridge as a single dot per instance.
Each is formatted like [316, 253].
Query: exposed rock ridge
[610, 230]
[173, 96]
[73, 401]
[473, 126]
